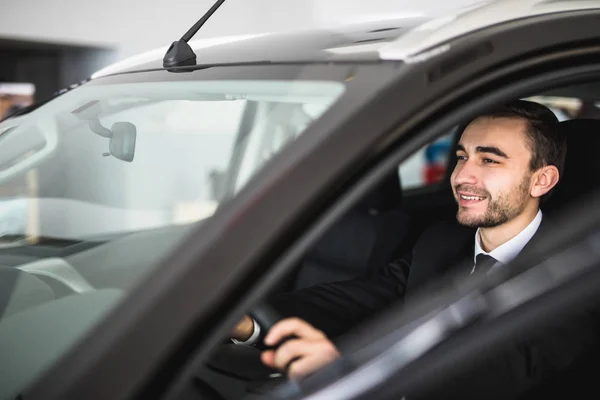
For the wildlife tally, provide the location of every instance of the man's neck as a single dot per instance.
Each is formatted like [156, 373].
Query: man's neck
[491, 238]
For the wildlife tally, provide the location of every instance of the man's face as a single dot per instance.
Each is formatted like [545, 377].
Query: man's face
[492, 180]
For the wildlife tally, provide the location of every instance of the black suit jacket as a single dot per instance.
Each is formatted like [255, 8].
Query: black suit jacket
[448, 248]
[443, 249]
[338, 306]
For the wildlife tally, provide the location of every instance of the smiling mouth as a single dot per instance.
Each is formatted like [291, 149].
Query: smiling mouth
[471, 198]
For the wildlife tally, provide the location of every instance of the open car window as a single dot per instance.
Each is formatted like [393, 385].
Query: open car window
[403, 339]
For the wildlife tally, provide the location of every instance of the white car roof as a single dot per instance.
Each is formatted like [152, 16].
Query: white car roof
[415, 38]
[437, 31]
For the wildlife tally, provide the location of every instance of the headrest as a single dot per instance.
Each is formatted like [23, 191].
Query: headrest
[351, 241]
[582, 170]
[385, 196]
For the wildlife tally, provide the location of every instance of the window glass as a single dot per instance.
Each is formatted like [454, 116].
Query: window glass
[568, 107]
[428, 165]
[119, 158]
[99, 184]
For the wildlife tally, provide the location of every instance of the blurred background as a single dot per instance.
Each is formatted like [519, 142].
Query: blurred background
[47, 45]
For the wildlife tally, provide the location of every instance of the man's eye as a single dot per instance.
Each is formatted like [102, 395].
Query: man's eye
[489, 161]
[461, 158]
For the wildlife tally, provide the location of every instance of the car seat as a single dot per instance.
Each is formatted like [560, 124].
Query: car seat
[364, 239]
[581, 174]
[581, 178]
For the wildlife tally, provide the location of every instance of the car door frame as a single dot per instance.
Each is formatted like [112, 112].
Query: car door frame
[259, 234]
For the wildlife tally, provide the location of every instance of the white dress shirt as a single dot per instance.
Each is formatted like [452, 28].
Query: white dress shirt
[506, 252]
[253, 338]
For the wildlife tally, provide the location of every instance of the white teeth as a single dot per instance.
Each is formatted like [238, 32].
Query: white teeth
[471, 197]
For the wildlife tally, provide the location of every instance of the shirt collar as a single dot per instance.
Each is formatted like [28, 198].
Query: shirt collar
[509, 250]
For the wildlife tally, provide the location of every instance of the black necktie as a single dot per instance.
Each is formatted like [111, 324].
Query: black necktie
[483, 263]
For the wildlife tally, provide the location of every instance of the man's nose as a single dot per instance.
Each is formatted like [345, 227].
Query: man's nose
[465, 172]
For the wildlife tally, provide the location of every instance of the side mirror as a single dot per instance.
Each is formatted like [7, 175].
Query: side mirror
[122, 141]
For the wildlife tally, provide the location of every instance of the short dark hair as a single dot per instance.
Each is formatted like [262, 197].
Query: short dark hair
[547, 144]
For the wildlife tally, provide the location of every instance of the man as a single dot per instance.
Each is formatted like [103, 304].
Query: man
[508, 161]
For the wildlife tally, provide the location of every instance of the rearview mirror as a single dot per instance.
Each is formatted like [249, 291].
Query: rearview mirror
[122, 141]
[121, 136]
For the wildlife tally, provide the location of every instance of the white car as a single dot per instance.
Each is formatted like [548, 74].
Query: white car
[179, 190]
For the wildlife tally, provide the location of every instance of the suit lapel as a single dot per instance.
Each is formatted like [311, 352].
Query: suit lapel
[449, 248]
[545, 226]
[440, 249]
[464, 264]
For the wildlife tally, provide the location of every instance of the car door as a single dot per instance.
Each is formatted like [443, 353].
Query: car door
[147, 350]
[446, 345]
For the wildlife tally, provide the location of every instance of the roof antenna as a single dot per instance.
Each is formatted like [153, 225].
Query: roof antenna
[180, 53]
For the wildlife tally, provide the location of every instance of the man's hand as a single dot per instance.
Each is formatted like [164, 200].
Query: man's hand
[307, 352]
[243, 330]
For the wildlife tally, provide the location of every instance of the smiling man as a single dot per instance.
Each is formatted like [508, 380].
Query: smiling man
[508, 161]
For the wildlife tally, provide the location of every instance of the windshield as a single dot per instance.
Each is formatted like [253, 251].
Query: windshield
[117, 158]
[99, 184]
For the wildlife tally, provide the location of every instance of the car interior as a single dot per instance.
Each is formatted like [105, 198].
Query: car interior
[386, 223]
[415, 209]
[37, 281]
[348, 249]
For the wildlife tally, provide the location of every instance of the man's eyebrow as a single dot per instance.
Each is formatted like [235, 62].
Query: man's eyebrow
[491, 150]
[484, 149]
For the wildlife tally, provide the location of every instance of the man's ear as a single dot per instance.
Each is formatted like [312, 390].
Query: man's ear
[544, 179]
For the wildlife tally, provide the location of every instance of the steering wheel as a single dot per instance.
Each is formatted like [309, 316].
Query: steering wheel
[265, 316]
[243, 362]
